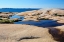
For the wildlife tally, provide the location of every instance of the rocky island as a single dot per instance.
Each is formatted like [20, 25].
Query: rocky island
[31, 33]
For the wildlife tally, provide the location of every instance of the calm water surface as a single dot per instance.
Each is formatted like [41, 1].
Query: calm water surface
[41, 23]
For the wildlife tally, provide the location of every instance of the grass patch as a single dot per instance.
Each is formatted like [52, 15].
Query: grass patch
[6, 21]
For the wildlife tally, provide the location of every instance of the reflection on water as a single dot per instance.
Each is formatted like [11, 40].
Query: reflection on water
[41, 23]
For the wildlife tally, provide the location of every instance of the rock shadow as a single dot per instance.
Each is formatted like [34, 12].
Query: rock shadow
[57, 34]
[30, 37]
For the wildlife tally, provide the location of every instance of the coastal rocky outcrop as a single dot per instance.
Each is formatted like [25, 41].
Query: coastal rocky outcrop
[55, 14]
[32, 33]
[5, 17]
[20, 33]
[24, 33]
[6, 14]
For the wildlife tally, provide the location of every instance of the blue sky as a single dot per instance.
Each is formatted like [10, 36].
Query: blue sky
[31, 3]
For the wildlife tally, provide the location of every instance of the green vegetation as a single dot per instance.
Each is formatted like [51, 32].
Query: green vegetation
[6, 21]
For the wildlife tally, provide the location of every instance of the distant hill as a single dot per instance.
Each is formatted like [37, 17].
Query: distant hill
[17, 9]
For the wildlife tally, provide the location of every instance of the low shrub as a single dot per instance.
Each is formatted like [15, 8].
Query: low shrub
[6, 21]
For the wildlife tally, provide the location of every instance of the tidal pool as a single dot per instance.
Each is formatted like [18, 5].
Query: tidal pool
[41, 23]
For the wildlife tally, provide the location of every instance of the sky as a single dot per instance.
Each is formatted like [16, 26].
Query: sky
[31, 3]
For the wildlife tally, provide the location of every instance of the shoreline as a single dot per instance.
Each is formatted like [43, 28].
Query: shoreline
[31, 33]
